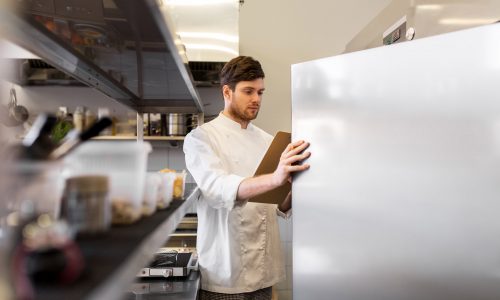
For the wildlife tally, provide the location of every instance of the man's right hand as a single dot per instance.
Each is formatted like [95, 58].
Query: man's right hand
[257, 185]
[291, 156]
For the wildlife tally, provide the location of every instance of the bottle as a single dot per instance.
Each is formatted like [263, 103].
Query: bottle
[146, 129]
[89, 118]
[79, 118]
[104, 112]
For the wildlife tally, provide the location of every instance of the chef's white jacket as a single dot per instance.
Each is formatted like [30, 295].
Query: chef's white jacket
[238, 242]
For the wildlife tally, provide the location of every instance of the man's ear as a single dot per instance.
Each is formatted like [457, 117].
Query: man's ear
[226, 92]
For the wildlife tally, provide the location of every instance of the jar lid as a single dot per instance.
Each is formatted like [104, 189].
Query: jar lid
[88, 183]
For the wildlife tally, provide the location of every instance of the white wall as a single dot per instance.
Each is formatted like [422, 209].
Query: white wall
[280, 33]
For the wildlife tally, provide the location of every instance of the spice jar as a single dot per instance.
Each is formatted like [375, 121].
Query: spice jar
[85, 204]
[79, 118]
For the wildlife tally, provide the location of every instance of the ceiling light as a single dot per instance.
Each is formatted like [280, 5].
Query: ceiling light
[429, 7]
[211, 47]
[458, 21]
[198, 2]
[210, 35]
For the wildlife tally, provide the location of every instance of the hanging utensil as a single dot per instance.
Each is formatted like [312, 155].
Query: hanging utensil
[16, 114]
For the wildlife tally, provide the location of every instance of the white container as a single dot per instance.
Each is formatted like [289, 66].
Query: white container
[166, 189]
[151, 193]
[38, 185]
[180, 184]
[125, 163]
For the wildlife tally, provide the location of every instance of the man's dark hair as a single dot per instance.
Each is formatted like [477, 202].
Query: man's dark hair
[241, 68]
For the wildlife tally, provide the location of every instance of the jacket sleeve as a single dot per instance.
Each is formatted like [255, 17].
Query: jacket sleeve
[218, 187]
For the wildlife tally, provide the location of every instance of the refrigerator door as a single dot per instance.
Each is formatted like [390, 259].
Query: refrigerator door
[402, 200]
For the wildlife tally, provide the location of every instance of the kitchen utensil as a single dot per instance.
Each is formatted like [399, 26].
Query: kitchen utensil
[14, 115]
[177, 124]
[171, 264]
[37, 143]
[74, 139]
[18, 112]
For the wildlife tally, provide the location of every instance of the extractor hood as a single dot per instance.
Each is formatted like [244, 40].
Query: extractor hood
[127, 49]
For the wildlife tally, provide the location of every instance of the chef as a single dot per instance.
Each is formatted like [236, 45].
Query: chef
[238, 241]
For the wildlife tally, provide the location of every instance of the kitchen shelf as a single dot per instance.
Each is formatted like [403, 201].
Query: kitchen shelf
[114, 259]
[146, 138]
[135, 61]
[183, 234]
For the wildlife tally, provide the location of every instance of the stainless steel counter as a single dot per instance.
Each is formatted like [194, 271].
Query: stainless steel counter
[176, 288]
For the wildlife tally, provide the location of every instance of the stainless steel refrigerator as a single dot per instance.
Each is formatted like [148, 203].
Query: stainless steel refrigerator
[402, 200]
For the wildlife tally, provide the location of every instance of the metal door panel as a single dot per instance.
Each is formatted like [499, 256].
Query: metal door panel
[402, 200]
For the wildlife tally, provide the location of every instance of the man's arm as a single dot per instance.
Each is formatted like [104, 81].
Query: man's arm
[254, 186]
[219, 187]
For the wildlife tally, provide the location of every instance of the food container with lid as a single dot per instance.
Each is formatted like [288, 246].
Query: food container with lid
[125, 163]
[166, 189]
[151, 193]
[85, 204]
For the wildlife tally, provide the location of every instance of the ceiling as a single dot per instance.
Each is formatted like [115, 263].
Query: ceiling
[208, 29]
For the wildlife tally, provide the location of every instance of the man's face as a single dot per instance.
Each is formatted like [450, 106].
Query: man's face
[244, 101]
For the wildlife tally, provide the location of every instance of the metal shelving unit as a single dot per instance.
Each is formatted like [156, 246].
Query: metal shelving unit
[136, 50]
[114, 259]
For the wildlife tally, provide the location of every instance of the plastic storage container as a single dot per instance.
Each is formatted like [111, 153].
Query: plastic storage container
[166, 189]
[151, 193]
[125, 163]
[179, 184]
[36, 186]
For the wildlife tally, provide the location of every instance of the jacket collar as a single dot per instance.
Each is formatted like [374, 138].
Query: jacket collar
[226, 121]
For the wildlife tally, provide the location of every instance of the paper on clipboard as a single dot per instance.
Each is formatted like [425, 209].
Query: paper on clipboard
[268, 164]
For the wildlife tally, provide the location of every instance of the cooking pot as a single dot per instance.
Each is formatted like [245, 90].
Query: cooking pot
[177, 124]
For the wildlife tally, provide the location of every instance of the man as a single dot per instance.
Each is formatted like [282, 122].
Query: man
[238, 241]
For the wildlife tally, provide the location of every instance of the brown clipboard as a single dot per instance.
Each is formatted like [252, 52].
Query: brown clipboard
[268, 164]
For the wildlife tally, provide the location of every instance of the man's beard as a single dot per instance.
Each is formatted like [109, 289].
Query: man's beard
[241, 114]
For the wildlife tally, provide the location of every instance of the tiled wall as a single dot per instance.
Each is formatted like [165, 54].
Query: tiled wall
[166, 155]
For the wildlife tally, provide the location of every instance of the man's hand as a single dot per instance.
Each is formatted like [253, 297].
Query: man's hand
[292, 155]
[253, 186]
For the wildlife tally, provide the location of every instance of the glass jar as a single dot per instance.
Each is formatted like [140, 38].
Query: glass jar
[85, 204]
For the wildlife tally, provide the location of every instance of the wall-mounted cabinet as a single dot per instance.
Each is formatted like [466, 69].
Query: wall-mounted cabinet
[125, 49]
